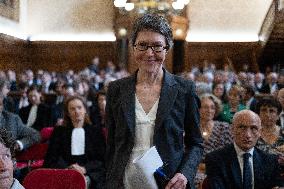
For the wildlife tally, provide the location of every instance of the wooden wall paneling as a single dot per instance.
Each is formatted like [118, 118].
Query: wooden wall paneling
[239, 53]
[61, 56]
[12, 53]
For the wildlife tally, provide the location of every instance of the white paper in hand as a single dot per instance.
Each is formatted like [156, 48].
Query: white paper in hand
[147, 164]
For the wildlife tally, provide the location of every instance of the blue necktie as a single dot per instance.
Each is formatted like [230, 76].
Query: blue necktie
[247, 172]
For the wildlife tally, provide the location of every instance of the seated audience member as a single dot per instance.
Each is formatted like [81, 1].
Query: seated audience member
[98, 111]
[11, 78]
[241, 164]
[64, 91]
[202, 88]
[24, 135]
[47, 85]
[281, 79]
[234, 104]
[37, 114]
[216, 134]
[8, 102]
[219, 91]
[271, 85]
[258, 81]
[78, 144]
[272, 136]
[7, 161]
[280, 98]
[22, 100]
[249, 98]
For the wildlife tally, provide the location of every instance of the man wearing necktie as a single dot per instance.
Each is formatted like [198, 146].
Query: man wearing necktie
[241, 165]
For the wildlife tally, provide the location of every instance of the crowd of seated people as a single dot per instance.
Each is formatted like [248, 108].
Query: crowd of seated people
[38, 100]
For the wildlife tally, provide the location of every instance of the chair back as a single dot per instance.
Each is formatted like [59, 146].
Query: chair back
[35, 152]
[33, 157]
[46, 133]
[54, 179]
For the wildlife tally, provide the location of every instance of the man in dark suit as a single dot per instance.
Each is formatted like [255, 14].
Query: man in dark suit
[241, 165]
[37, 114]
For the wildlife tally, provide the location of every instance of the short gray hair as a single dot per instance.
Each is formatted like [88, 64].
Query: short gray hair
[155, 23]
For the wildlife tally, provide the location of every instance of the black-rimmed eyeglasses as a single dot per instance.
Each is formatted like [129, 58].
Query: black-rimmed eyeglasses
[155, 48]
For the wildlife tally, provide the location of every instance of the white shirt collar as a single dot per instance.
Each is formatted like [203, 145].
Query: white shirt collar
[240, 152]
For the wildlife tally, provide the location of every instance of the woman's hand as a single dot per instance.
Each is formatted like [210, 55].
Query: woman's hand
[79, 168]
[179, 181]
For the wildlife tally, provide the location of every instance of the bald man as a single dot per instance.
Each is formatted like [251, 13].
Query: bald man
[241, 165]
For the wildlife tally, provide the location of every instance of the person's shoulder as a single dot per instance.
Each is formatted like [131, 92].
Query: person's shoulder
[10, 115]
[221, 152]
[180, 80]
[181, 83]
[119, 83]
[266, 157]
[221, 125]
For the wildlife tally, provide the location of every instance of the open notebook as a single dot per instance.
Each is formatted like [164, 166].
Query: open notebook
[146, 165]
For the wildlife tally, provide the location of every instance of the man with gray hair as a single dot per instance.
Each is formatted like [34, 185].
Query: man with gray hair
[241, 164]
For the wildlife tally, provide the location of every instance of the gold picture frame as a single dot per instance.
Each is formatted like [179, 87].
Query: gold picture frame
[10, 9]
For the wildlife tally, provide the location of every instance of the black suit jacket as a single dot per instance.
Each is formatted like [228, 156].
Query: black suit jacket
[59, 152]
[177, 114]
[223, 169]
[43, 117]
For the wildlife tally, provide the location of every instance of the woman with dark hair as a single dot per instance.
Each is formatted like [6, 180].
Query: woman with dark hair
[272, 136]
[78, 144]
[152, 108]
[219, 90]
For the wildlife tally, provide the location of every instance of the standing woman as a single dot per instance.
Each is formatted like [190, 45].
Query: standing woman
[78, 144]
[152, 108]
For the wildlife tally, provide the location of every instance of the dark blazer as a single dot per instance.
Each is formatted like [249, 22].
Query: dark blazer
[223, 170]
[43, 117]
[59, 152]
[177, 114]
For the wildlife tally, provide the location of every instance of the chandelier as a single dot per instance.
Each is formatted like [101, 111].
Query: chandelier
[151, 6]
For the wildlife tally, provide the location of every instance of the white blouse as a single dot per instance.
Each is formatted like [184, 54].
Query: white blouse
[78, 141]
[144, 131]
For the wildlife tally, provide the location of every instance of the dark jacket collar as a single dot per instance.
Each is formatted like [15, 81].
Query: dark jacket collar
[167, 98]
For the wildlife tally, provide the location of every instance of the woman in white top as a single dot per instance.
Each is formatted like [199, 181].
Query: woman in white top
[152, 108]
[78, 144]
